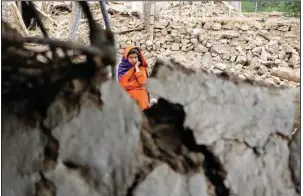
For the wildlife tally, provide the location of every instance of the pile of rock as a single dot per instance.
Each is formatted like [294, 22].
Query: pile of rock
[245, 47]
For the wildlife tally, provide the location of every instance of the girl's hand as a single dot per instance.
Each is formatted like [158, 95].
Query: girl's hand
[137, 66]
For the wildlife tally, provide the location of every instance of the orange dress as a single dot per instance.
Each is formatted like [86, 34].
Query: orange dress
[133, 82]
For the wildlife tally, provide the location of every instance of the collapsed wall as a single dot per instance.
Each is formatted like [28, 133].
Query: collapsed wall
[202, 36]
[245, 47]
[116, 150]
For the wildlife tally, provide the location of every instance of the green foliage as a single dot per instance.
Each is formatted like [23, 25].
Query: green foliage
[292, 8]
[248, 6]
[289, 8]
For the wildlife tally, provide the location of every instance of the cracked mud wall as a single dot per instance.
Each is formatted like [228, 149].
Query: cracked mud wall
[174, 148]
[97, 152]
[240, 131]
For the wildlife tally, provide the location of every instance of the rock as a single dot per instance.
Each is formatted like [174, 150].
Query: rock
[147, 55]
[158, 44]
[237, 25]
[238, 67]
[213, 54]
[194, 40]
[216, 35]
[185, 41]
[226, 56]
[240, 50]
[249, 75]
[224, 41]
[209, 44]
[221, 66]
[257, 25]
[273, 47]
[149, 43]
[228, 26]
[283, 28]
[262, 70]
[244, 27]
[201, 48]
[264, 55]
[164, 32]
[161, 24]
[177, 39]
[230, 34]
[241, 60]
[286, 73]
[175, 47]
[280, 63]
[277, 80]
[216, 71]
[295, 52]
[219, 49]
[182, 31]
[206, 60]
[197, 32]
[216, 26]
[267, 63]
[190, 47]
[241, 76]
[232, 59]
[174, 33]
[282, 55]
[183, 48]
[123, 45]
[180, 58]
[254, 62]
[169, 45]
[290, 35]
[217, 58]
[117, 45]
[257, 50]
[207, 25]
[294, 61]
[270, 81]
[189, 30]
[202, 38]
[249, 57]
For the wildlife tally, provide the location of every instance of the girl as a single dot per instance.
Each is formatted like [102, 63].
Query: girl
[132, 75]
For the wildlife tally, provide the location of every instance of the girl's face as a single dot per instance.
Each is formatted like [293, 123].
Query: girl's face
[132, 58]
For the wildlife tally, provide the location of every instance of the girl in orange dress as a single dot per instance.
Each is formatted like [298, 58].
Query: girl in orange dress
[132, 75]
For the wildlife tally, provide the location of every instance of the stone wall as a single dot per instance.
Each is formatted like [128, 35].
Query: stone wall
[204, 36]
[247, 47]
